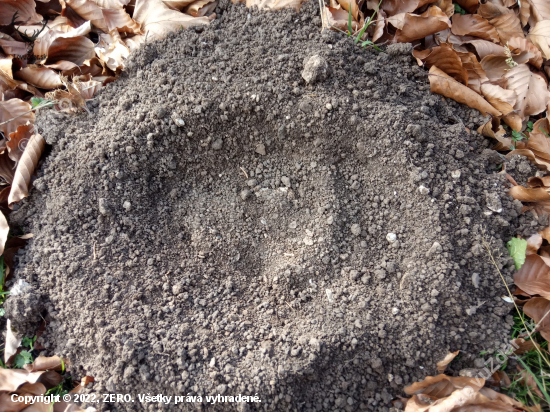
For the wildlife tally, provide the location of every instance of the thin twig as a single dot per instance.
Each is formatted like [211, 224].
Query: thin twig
[244, 171]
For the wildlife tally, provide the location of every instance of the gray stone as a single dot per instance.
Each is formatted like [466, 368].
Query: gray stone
[315, 69]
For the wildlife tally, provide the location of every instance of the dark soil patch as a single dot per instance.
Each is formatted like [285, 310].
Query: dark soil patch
[165, 270]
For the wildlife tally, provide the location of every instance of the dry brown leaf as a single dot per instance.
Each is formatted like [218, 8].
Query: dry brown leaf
[112, 51]
[61, 30]
[540, 10]
[531, 89]
[500, 379]
[446, 6]
[111, 4]
[157, 20]
[180, 4]
[39, 76]
[89, 89]
[476, 74]
[534, 275]
[443, 84]
[534, 242]
[201, 8]
[538, 181]
[447, 60]
[338, 18]
[518, 45]
[442, 365]
[514, 120]
[15, 109]
[62, 65]
[504, 20]
[501, 99]
[379, 26]
[90, 11]
[345, 4]
[72, 49]
[26, 12]
[18, 141]
[521, 345]
[468, 5]
[524, 12]
[43, 363]
[538, 143]
[486, 48]
[393, 7]
[7, 167]
[25, 169]
[474, 25]
[493, 129]
[441, 386]
[528, 381]
[496, 66]
[537, 309]
[417, 27]
[12, 342]
[500, 398]
[539, 35]
[120, 20]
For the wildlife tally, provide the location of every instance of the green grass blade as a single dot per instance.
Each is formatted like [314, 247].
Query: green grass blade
[349, 20]
[541, 387]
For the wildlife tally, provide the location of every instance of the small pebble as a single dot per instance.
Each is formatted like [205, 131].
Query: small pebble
[391, 237]
[328, 106]
[475, 280]
[356, 229]
[423, 190]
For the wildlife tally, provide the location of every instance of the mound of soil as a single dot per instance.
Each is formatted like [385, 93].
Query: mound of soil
[319, 244]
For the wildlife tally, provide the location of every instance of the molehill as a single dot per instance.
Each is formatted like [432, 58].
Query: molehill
[219, 225]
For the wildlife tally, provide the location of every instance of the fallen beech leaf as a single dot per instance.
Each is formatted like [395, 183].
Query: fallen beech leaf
[393, 7]
[539, 35]
[338, 18]
[120, 20]
[514, 120]
[417, 27]
[7, 167]
[446, 6]
[18, 141]
[474, 25]
[502, 399]
[540, 10]
[518, 45]
[112, 51]
[11, 379]
[345, 4]
[441, 386]
[534, 275]
[476, 74]
[534, 242]
[524, 12]
[157, 20]
[531, 156]
[89, 89]
[501, 99]
[442, 365]
[528, 381]
[43, 363]
[62, 65]
[25, 168]
[493, 129]
[72, 49]
[499, 379]
[504, 20]
[39, 76]
[60, 30]
[379, 26]
[531, 89]
[15, 109]
[419, 403]
[447, 60]
[25, 12]
[537, 309]
[486, 48]
[521, 345]
[181, 4]
[538, 143]
[11, 345]
[111, 4]
[496, 66]
[443, 84]
[90, 11]
[201, 8]
[538, 181]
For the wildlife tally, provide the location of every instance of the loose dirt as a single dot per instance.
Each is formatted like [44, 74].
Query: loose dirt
[246, 251]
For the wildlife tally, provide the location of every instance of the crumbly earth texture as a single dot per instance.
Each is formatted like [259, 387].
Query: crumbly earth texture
[217, 225]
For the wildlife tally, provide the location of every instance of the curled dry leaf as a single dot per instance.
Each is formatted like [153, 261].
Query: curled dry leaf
[468, 5]
[534, 242]
[18, 141]
[40, 76]
[25, 168]
[4, 230]
[414, 27]
[7, 167]
[393, 7]
[441, 386]
[14, 113]
[501, 99]
[112, 51]
[493, 129]
[10, 347]
[496, 66]
[536, 181]
[518, 45]
[539, 35]
[531, 89]
[514, 120]
[25, 9]
[89, 89]
[540, 10]
[118, 19]
[446, 6]
[474, 25]
[158, 20]
[61, 30]
[486, 48]
[380, 26]
[538, 143]
[504, 20]
[338, 18]
[442, 365]
[534, 275]
[521, 345]
[443, 84]
[90, 11]
[538, 309]
[76, 50]
[52, 363]
[111, 4]
[446, 59]
[181, 4]
[476, 74]
[345, 4]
